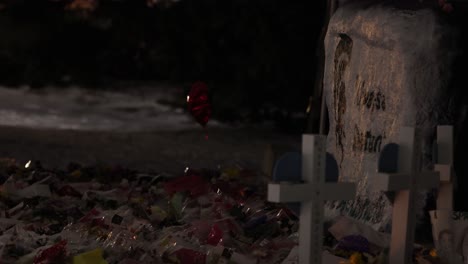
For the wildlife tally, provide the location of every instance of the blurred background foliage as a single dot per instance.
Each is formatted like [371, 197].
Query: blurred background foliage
[254, 54]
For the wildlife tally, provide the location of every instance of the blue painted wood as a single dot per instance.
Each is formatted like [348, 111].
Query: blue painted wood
[388, 159]
[388, 163]
[289, 168]
[331, 168]
[435, 152]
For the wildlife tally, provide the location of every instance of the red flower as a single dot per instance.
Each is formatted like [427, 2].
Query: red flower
[55, 254]
[215, 236]
[194, 184]
[188, 256]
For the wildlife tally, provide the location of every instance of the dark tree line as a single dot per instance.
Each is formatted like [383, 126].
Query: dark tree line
[254, 52]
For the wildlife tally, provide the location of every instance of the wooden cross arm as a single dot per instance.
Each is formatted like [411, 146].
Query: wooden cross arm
[338, 191]
[445, 171]
[289, 192]
[428, 180]
[401, 181]
[391, 181]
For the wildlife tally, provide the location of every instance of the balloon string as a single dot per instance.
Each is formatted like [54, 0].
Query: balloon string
[206, 133]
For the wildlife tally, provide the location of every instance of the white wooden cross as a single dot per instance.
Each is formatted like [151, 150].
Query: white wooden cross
[405, 182]
[311, 195]
[444, 166]
[442, 216]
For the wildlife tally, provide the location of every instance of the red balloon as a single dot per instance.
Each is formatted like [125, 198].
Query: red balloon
[198, 103]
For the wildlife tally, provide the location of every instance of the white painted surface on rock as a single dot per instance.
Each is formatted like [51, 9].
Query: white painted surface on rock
[384, 69]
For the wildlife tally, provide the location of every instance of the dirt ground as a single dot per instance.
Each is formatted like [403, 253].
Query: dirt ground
[161, 151]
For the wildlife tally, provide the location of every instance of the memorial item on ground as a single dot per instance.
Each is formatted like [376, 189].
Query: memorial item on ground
[113, 215]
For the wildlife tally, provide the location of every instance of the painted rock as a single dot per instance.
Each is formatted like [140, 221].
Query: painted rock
[384, 68]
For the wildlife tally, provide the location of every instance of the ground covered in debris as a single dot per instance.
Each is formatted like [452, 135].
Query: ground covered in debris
[103, 214]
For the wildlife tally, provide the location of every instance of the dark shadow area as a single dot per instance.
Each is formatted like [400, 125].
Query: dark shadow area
[460, 68]
[258, 57]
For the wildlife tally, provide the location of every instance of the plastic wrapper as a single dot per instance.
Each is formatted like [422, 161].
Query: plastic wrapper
[354, 243]
[220, 254]
[344, 226]
[68, 190]
[91, 257]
